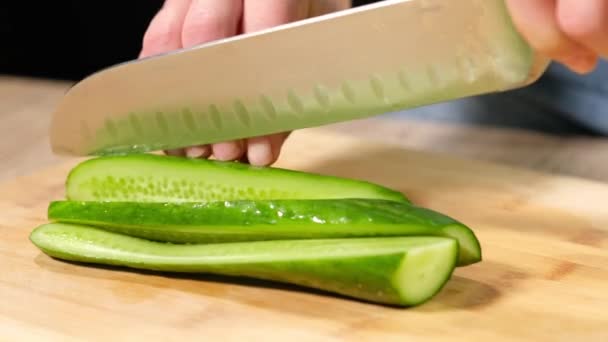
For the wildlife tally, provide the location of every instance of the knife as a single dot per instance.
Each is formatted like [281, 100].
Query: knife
[365, 61]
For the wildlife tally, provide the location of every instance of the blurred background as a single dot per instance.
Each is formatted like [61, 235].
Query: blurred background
[69, 40]
[64, 39]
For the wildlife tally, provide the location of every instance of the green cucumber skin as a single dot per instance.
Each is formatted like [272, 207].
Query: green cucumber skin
[234, 221]
[156, 178]
[366, 268]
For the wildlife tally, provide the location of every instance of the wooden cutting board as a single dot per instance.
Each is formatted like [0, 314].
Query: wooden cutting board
[544, 276]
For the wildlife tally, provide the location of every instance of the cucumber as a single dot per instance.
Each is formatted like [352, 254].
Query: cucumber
[233, 221]
[155, 178]
[402, 271]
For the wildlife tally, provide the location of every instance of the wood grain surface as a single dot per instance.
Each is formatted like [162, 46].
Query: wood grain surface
[543, 278]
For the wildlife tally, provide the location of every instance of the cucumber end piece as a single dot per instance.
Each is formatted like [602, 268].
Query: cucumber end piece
[425, 271]
[64, 241]
[38, 237]
[469, 246]
[42, 238]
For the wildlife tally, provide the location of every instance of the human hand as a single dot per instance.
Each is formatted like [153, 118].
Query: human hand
[185, 23]
[572, 32]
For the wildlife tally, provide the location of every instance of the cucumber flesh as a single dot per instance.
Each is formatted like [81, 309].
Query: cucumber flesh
[155, 178]
[403, 271]
[234, 221]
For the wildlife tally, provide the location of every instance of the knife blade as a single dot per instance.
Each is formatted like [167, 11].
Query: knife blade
[365, 61]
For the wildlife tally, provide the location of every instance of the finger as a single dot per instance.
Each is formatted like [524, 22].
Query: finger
[263, 151]
[259, 15]
[276, 143]
[165, 29]
[585, 21]
[320, 7]
[176, 152]
[262, 14]
[208, 20]
[203, 151]
[537, 22]
[259, 151]
[228, 151]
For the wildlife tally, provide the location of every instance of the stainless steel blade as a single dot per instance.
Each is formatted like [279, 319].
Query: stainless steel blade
[392, 55]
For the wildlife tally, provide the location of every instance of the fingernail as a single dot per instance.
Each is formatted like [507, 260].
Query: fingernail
[582, 63]
[228, 150]
[198, 152]
[260, 152]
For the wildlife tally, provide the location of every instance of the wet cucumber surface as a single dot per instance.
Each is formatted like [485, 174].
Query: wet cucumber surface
[246, 220]
[155, 178]
[402, 271]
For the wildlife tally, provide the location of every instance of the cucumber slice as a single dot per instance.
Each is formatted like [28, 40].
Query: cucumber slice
[233, 221]
[403, 271]
[155, 178]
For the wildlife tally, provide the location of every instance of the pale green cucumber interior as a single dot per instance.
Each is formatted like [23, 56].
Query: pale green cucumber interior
[90, 242]
[470, 248]
[423, 271]
[163, 178]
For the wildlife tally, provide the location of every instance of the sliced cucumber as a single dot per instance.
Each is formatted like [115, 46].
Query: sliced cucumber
[155, 178]
[234, 221]
[402, 271]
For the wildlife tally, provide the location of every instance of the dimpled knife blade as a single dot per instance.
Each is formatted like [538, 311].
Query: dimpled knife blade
[365, 61]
